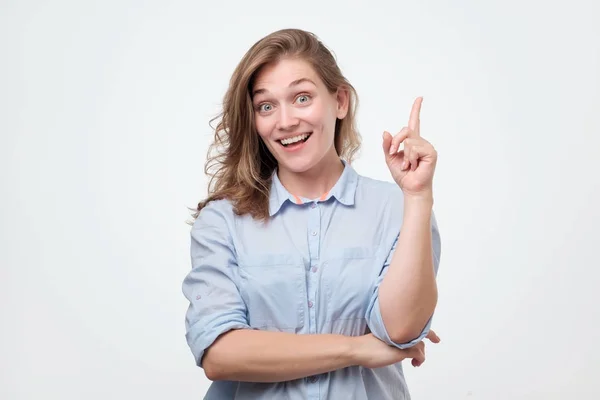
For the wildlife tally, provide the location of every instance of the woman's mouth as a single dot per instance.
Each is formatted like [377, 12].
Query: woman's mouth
[295, 140]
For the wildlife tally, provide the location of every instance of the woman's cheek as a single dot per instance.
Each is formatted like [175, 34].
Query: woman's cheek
[261, 127]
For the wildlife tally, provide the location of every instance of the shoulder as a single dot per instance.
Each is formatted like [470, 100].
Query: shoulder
[378, 192]
[216, 214]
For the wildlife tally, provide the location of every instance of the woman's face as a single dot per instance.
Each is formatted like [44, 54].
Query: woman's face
[295, 114]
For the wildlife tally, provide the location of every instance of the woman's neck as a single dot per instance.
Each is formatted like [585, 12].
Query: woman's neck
[315, 182]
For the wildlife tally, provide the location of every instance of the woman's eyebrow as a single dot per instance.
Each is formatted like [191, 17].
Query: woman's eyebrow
[292, 84]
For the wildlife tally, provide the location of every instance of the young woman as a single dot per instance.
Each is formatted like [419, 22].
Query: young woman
[308, 280]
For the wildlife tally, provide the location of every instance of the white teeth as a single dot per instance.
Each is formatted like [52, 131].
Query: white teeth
[294, 139]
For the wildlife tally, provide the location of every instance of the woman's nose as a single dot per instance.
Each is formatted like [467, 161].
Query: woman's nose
[287, 119]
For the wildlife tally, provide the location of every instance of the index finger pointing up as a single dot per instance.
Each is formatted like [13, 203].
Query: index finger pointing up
[414, 121]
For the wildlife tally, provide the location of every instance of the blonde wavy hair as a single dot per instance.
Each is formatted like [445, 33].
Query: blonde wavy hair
[238, 163]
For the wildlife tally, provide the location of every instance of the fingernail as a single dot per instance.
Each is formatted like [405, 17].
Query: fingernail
[392, 150]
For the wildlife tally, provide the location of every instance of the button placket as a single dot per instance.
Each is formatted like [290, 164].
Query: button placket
[314, 240]
[314, 225]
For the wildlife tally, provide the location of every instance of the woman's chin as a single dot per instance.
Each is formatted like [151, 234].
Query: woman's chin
[298, 165]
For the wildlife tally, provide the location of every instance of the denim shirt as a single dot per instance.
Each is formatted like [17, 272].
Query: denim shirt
[315, 267]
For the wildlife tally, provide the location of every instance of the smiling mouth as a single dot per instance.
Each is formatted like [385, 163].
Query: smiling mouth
[295, 140]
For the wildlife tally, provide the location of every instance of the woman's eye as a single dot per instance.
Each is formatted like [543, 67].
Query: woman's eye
[303, 99]
[265, 107]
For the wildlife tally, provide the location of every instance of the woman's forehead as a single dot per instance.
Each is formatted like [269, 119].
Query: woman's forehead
[284, 74]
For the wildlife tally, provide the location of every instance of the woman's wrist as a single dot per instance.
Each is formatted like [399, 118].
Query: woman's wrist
[418, 206]
[424, 198]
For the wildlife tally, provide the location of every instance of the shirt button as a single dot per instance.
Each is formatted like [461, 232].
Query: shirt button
[314, 233]
[310, 304]
[312, 379]
[313, 205]
[314, 269]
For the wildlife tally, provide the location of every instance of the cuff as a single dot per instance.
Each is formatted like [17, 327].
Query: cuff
[378, 329]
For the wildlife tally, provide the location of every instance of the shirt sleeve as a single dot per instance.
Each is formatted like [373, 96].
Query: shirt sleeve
[374, 318]
[215, 304]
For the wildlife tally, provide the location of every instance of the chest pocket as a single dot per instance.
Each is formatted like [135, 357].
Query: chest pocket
[350, 276]
[273, 288]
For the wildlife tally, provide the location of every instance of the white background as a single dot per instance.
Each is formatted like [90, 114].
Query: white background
[104, 110]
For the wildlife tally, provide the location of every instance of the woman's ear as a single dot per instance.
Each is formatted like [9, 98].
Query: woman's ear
[343, 101]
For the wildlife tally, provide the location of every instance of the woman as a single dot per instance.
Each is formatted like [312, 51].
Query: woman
[308, 280]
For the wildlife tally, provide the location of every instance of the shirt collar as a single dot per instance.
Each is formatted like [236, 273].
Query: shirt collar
[343, 191]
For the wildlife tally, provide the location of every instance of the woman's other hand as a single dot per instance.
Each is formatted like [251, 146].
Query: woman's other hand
[370, 352]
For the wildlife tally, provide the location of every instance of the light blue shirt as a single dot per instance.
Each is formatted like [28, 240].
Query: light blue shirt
[315, 267]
